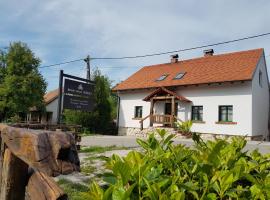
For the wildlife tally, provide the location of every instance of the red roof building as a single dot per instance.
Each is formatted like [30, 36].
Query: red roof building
[224, 94]
[226, 67]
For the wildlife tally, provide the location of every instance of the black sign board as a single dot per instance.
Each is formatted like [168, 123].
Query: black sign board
[78, 95]
[78, 103]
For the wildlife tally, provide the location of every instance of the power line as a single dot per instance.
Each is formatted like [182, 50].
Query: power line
[162, 53]
[63, 63]
[181, 50]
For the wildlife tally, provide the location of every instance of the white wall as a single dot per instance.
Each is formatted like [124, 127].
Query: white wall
[210, 97]
[260, 101]
[52, 107]
[128, 101]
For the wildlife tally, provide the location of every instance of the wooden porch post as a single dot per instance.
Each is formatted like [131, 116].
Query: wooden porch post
[151, 112]
[173, 111]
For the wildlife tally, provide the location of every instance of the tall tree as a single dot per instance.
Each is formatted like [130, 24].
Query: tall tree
[2, 65]
[23, 86]
[103, 107]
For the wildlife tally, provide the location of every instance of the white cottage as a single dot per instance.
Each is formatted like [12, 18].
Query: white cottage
[50, 115]
[225, 94]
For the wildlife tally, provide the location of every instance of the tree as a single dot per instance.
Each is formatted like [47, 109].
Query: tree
[100, 120]
[22, 87]
[2, 65]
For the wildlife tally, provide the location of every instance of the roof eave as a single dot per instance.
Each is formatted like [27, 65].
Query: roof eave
[191, 84]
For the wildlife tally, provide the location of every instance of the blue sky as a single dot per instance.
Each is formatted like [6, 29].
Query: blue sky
[64, 30]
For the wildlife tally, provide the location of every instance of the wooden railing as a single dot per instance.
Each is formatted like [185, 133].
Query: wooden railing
[30, 158]
[177, 119]
[162, 119]
[141, 121]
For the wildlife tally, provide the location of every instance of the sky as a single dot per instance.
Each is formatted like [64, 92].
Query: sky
[63, 30]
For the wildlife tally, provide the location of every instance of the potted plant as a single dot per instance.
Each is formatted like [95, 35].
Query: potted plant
[184, 127]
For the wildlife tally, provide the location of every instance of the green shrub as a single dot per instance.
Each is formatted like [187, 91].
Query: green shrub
[184, 126]
[211, 170]
[14, 119]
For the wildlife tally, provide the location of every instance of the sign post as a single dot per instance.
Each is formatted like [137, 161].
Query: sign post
[78, 94]
[60, 96]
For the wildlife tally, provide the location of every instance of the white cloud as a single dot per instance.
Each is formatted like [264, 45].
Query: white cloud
[66, 29]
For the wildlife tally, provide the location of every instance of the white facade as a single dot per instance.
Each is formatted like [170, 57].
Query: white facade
[260, 100]
[249, 99]
[53, 107]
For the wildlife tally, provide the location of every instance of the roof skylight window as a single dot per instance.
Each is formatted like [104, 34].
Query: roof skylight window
[179, 75]
[162, 77]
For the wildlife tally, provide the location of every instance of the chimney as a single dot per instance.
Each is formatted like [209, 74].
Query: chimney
[208, 52]
[174, 58]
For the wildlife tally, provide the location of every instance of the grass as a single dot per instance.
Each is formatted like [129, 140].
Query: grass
[73, 190]
[99, 149]
[88, 166]
[88, 169]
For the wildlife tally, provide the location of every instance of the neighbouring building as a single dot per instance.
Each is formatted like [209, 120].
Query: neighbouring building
[51, 102]
[49, 116]
[225, 94]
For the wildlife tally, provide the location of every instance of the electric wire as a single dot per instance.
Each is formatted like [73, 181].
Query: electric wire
[162, 53]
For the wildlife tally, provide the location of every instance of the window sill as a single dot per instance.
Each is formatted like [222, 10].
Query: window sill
[198, 122]
[229, 123]
[137, 118]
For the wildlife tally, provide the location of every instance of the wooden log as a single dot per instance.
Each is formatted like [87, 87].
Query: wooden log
[13, 177]
[2, 151]
[42, 187]
[44, 151]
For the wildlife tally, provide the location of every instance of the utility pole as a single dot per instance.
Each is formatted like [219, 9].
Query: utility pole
[87, 60]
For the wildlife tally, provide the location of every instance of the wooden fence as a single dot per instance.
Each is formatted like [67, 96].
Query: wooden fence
[30, 158]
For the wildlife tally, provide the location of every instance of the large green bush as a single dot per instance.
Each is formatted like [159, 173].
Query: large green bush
[211, 170]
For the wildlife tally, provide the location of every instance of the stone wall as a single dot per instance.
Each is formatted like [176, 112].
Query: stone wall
[129, 131]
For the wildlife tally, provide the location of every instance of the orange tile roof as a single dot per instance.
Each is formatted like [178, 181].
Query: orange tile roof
[51, 96]
[236, 66]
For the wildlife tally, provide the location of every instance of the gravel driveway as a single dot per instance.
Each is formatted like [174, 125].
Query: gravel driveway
[130, 141]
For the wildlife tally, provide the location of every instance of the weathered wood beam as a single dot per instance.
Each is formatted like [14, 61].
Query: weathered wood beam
[14, 174]
[42, 187]
[151, 111]
[173, 112]
[162, 97]
[52, 153]
[2, 151]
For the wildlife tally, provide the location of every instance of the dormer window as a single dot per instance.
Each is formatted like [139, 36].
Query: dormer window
[179, 75]
[162, 77]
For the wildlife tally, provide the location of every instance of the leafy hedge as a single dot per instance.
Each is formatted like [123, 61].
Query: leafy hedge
[211, 170]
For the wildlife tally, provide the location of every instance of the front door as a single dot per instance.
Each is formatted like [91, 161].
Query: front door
[168, 109]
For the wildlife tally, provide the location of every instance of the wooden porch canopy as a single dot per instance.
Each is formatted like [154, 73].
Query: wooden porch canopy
[163, 93]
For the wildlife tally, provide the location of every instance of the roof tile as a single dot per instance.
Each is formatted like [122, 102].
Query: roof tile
[236, 66]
